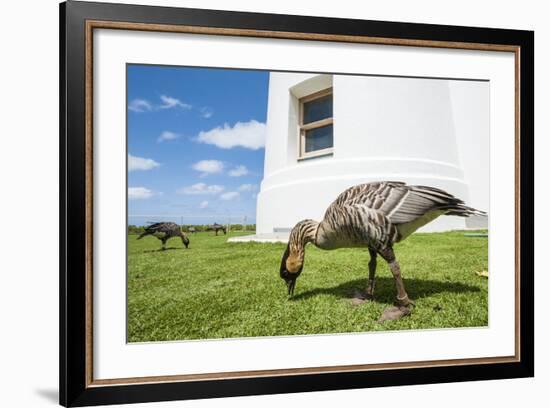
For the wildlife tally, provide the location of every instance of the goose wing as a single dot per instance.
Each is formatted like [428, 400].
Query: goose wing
[401, 203]
[165, 227]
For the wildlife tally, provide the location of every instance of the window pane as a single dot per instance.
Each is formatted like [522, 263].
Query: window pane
[318, 109]
[319, 138]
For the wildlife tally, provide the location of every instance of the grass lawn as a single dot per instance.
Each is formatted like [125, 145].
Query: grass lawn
[217, 289]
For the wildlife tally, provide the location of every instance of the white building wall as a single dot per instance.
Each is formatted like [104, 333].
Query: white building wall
[384, 129]
[470, 101]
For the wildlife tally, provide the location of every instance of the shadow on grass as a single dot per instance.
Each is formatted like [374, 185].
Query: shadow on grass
[385, 289]
[147, 251]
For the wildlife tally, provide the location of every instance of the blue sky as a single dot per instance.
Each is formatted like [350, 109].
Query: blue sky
[195, 143]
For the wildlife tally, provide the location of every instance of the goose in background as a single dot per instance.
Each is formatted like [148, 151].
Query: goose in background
[374, 216]
[164, 231]
[217, 227]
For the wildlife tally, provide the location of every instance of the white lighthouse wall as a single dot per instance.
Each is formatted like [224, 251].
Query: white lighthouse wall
[384, 129]
[470, 100]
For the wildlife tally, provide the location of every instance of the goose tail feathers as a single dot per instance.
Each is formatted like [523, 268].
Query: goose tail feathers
[446, 201]
[462, 210]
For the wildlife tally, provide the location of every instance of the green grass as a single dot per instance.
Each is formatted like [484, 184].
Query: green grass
[217, 289]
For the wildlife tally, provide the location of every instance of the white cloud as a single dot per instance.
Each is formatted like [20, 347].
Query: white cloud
[206, 112]
[247, 187]
[166, 135]
[207, 167]
[250, 135]
[230, 195]
[201, 188]
[238, 171]
[141, 163]
[140, 105]
[203, 204]
[169, 102]
[139, 193]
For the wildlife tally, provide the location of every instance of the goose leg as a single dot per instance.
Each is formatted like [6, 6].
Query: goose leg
[360, 297]
[369, 293]
[163, 244]
[403, 302]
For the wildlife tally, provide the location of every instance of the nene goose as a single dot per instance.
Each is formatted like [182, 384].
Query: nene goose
[374, 216]
[164, 231]
[217, 227]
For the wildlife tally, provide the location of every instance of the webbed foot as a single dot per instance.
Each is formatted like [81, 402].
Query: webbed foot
[360, 297]
[405, 302]
[394, 313]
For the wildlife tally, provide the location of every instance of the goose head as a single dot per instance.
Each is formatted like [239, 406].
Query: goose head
[293, 258]
[292, 264]
[185, 240]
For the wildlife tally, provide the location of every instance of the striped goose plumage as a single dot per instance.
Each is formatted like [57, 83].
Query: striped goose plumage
[217, 227]
[375, 216]
[164, 231]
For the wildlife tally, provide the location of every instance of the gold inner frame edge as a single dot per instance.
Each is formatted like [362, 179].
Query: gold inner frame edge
[93, 24]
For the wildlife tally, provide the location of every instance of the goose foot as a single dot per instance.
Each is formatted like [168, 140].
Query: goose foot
[394, 313]
[360, 297]
[405, 302]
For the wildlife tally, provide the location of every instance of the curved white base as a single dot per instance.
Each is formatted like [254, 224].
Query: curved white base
[297, 193]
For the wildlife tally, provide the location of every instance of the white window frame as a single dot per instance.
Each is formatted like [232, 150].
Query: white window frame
[313, 125]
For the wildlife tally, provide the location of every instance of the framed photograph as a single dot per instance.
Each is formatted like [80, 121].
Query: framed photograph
[256, 204]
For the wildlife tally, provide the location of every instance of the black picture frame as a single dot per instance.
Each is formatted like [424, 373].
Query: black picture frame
[75, 389]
